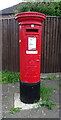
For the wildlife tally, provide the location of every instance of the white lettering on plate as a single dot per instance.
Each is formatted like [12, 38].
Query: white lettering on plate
[31, 52]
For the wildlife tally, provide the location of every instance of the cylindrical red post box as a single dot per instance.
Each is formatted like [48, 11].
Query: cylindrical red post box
[30, 38]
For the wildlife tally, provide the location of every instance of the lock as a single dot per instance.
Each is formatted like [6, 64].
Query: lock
[37, 60]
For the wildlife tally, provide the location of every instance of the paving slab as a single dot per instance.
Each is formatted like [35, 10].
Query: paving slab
[45, 75]
[19, 104]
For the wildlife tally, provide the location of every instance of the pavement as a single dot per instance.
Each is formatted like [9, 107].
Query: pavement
[8, 92]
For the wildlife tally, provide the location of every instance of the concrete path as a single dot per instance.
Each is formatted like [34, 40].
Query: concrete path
[8, 91]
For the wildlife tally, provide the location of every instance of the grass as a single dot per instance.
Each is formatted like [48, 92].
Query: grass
[9, 77]
[46, 96]
[60, 84]
[14, 110]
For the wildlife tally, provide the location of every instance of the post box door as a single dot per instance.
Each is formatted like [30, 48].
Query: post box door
[30, 54]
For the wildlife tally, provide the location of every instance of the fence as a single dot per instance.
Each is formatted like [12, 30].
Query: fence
[51, 51]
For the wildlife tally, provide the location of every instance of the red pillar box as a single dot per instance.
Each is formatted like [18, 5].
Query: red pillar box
[30, 38]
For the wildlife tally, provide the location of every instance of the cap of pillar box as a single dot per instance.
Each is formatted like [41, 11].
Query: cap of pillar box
[27, 16]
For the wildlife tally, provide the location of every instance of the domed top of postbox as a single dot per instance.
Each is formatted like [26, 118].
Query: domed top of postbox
[29, 17]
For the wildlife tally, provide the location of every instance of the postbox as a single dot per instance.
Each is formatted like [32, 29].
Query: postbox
[30, 42]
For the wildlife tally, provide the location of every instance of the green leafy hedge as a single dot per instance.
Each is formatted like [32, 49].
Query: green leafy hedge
[48, 8]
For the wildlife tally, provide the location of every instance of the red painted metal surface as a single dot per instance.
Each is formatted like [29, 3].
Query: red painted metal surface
[30, 37]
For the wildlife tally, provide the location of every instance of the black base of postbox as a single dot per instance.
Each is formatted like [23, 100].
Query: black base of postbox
[29, 92]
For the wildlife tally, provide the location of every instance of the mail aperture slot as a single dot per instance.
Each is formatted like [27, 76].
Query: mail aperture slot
[32, 30]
